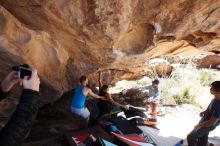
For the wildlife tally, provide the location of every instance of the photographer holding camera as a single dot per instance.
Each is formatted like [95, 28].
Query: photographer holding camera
[20, 123]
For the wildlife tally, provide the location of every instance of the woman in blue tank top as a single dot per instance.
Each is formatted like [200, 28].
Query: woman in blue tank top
[79, 99]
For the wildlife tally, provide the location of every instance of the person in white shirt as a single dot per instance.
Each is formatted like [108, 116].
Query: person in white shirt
[154, 97]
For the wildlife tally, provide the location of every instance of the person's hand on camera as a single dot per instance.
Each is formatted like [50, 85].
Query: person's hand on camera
[10, 80]
[33, 83]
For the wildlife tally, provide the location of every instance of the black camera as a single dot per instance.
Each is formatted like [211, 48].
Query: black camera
[23, 70]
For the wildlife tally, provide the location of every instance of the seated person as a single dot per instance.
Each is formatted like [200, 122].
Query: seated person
[20, 123]
[79, 99]
[154, 97]
[105, 106]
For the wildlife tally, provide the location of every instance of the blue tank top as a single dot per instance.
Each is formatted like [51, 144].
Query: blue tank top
[79, 98]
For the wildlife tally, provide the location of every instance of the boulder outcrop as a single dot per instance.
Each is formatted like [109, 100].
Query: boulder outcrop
[65, 39]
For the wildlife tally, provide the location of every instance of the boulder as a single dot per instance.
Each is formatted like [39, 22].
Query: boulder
[161, 67]
[133, 96]
[64, 39]
[210, 61]
[163, 70]
[67, 39]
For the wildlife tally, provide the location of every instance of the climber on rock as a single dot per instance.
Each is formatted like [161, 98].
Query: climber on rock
[79, 99]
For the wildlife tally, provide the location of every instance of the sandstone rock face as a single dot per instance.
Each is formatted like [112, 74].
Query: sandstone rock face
[136, 40]
[65, 39]
[210, 61]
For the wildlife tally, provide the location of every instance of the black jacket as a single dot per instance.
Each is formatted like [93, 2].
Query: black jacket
[22, 119]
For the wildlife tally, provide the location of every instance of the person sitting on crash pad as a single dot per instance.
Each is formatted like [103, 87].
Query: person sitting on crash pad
[105, 106]
[154, 97]
[79, 99]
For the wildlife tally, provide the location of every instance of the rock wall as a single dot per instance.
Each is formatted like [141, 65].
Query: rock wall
[65, 39]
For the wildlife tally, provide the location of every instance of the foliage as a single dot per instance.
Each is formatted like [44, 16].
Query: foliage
[184, 85]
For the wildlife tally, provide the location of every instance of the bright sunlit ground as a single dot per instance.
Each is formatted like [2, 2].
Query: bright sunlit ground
[180, 120]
